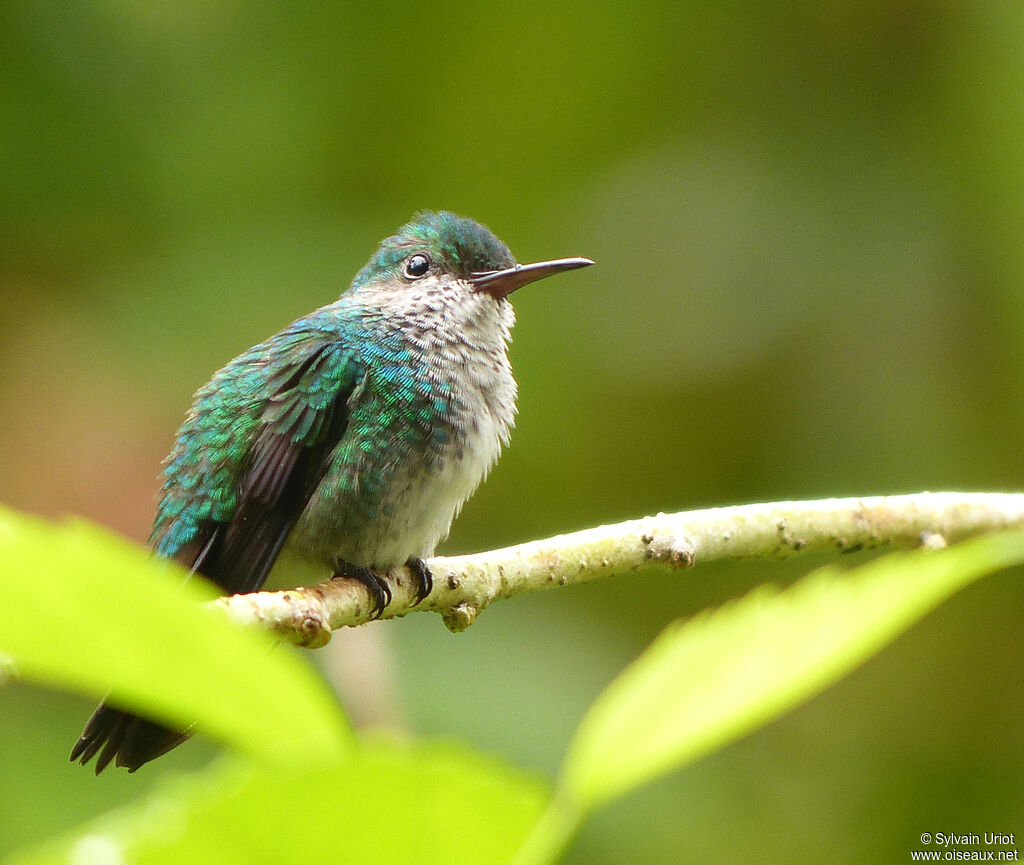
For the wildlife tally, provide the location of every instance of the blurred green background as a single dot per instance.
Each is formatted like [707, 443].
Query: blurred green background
[807, 220]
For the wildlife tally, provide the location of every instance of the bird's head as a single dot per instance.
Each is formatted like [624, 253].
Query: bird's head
[441, 253]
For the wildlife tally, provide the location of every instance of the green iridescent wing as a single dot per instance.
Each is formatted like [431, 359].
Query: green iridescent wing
[251, 453]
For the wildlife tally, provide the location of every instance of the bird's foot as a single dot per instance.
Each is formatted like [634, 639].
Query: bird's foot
[424, 579]
[376, 585]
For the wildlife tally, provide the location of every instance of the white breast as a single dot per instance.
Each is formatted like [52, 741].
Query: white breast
[476, 367]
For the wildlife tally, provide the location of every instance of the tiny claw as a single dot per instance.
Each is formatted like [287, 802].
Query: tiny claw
[424, 579]
[380, 591]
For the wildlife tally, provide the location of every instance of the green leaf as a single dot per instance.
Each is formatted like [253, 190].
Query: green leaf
[709, 681]
[387, 803]
[87, 611]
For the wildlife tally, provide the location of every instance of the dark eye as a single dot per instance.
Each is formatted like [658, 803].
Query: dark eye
[416, 265]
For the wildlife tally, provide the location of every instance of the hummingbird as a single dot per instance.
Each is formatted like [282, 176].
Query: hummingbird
[351, 439]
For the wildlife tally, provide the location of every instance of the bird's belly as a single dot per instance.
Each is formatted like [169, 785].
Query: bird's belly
[382, 524]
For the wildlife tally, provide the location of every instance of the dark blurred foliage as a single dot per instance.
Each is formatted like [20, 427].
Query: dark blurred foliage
[807, 221]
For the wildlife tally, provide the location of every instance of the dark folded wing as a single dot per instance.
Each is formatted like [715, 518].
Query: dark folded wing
[250, 456]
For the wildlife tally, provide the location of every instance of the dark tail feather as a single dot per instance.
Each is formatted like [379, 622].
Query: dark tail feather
[128, 740]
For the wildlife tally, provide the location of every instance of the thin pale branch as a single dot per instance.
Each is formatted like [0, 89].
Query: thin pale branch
[464, 585]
